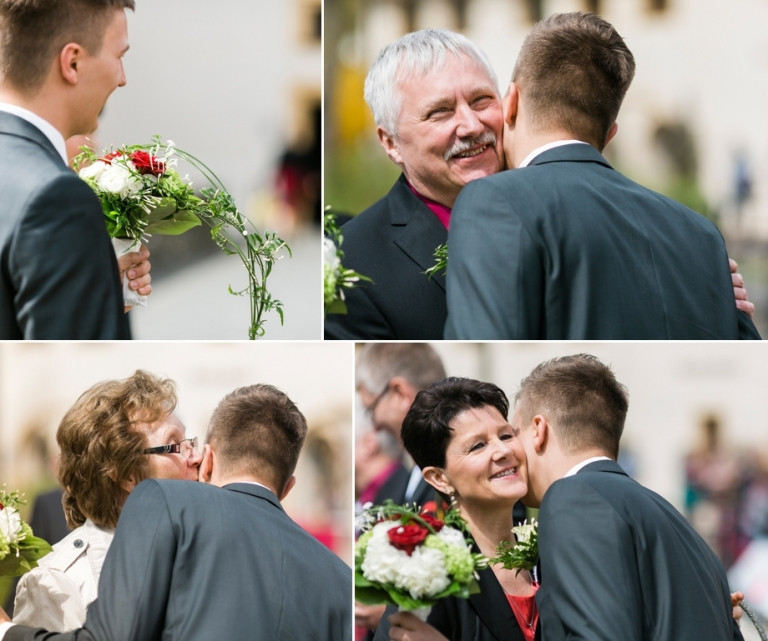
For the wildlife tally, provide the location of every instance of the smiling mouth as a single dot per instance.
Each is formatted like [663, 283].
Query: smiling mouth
[504, 473]
[471, 153]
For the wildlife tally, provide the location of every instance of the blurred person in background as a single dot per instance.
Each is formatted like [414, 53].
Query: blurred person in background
[437, 108]
[117, 433]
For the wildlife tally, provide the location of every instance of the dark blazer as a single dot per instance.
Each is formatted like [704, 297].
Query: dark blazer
[59, 278]
[483, 617]
[196, 562]
[619, 562]
[568, 248]
[392, 242]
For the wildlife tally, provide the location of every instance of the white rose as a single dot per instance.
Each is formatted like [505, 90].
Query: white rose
[93, 171]
[118, 179]
[424, 574]
[330, 256]
[10, 524]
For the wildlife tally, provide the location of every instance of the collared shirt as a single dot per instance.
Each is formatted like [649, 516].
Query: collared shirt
[550, 145]
[579, 466]
[442, 212]
[50, 132]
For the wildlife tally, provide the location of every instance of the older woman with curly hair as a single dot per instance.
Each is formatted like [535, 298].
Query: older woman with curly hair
[118, 433]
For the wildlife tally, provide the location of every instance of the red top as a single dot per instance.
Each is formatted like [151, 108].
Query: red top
[526, 612]
[442, 212]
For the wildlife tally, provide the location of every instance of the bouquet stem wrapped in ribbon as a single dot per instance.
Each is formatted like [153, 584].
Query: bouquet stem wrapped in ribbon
[142, 193]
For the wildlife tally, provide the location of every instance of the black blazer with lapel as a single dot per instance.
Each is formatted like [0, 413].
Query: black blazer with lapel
[392, 242]
[620, 562]
[486, 616]
[58, 275]
[196, 562]
[568, 248]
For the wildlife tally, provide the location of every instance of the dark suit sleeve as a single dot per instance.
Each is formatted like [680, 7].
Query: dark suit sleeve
[67, 280]
[494, 283]
[747, 329]
[135, 580]
[590, 587]
[363, 320]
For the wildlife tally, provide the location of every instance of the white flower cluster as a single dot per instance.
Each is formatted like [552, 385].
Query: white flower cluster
[118, 177]
[525, 530]
[10, 529]
[424, 574]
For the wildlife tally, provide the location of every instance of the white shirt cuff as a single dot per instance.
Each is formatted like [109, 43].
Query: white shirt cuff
[4, 627]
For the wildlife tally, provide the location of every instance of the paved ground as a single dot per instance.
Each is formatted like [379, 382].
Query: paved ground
[193, 303]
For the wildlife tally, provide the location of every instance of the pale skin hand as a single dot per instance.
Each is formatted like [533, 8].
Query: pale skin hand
[736, 599]
[408, 627]
[137, 267]
[739, 291]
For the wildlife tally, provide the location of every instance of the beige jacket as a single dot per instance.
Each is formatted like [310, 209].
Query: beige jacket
[55, 594]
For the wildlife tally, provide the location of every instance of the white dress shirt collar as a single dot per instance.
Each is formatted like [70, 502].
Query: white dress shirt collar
[576, 468]
[550, 145]
[50, 132]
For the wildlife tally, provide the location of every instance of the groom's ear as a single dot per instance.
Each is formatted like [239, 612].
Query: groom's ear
[541, 432]
[509, 105]
[69, 59]
[205, 471]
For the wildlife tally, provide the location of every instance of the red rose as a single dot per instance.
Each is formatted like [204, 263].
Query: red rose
[407, 537]
[436, 523]
[110, 156]
[147, 163]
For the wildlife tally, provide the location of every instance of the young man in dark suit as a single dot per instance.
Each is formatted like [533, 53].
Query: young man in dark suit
[565, 247]
[220, 558]
[617, 560]
[58, 275]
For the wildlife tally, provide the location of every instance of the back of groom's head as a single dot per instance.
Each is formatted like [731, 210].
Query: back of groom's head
[581, 398]
[259, 431]
[33, 32]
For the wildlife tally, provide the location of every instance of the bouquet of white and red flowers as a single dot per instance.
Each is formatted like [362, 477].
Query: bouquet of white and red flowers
[19, 548]
[412, 558]
[142, 193]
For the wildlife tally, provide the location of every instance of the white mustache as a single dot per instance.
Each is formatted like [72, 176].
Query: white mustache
[460, 146]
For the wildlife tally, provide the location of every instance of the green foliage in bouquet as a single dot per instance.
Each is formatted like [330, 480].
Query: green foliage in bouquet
[142, 193]
[412, 558]
[523, 553]
[20, 549]
[336, 277]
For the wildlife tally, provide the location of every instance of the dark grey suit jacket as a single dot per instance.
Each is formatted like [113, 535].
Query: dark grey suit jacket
[568, 248]
[619, 562]
[392, 242]
[58, 275]
[195, 562]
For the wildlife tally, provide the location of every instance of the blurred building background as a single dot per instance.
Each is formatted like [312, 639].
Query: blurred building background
[692, 125]
[696, 432]
[39, 382]
[239, 86]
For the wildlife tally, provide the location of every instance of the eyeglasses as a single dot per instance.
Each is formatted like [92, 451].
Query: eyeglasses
[370, 409]
[187, 448]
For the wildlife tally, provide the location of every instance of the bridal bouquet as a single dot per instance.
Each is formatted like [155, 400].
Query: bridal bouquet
[412, 559]
[142, 193]
[336, 278]
[19, 548]
[523, 554]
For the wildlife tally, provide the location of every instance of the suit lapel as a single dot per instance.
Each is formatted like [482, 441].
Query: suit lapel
[415, 229]
[493, 609]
